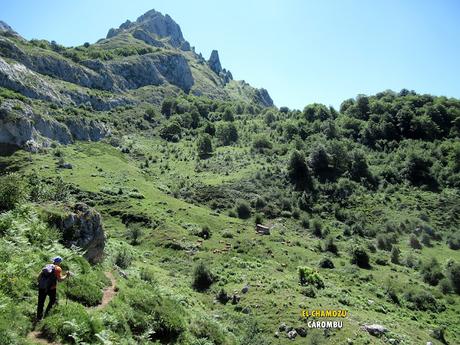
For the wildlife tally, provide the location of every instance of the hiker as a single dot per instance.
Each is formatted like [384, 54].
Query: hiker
[47, 283]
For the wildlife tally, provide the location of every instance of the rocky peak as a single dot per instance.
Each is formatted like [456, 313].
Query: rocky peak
[214, 62]
[157, 25]
[4, 27]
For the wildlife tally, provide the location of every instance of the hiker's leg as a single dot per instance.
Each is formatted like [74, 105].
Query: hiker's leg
[41, 303]
[52, 296]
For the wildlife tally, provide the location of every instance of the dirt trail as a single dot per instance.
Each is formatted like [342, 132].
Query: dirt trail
[108, 295]
[109, 292]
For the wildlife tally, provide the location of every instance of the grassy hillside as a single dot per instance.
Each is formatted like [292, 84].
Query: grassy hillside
[367, 197]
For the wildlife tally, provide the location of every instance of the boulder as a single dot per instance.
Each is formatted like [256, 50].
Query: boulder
[292, 334]
[301, 331]
[375, 330]
[82, 227]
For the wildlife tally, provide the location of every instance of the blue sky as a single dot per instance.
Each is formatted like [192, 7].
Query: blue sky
[300, 51]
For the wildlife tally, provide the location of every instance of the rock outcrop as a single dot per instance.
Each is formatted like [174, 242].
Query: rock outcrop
[262, 97]
[4, 27]
[22, 127]
[214, 62]
[82, 227]
[152, 27]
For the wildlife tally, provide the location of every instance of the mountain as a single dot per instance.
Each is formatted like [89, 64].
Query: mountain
[193, 213]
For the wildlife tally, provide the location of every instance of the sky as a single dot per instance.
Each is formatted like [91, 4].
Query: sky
[301, 51]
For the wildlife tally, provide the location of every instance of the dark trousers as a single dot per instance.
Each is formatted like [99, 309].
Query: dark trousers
[42, 293]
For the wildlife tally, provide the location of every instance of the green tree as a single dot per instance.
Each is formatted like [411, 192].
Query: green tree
[204, 146]
[319, 161]
[167, 107]
[298, 172]
[171, 131]
[227, 133]
[228, 115]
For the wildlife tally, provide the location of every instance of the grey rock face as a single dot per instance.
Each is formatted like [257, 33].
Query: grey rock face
[214, 62]
[82, 227]
[155, 26]
[262, 97]
[19, 78]
[4, 27]
[145, 37]
[21, 127]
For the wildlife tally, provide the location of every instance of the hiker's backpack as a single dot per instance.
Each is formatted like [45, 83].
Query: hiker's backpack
[47, 277]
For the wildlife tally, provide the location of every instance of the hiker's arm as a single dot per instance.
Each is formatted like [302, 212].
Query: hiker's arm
[61, 278]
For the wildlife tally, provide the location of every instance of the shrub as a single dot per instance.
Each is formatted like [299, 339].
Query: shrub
[414, 242]
[395, 252]
[227, 234]
[151, 312]
[204, 145]
[71, 323]
[148, 275]
[123, 258]
[243, 210]
[330, 246]
[309, 291]
[202, 277]
[316, 227]
[222, 296]
[360, 257]
[422, 300]
[453, 273]
[13, 191]
[261, 143]
[84, 289]
[307, 276]
[208, 330]
[431, 272]
[204, 233]
[326, 263]
[445, 286]
[454, 242]
[134, 234]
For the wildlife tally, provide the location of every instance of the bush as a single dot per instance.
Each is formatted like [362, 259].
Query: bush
[307, 276]
[134, 234]
[360, 257]
[148, 275]
[454, 242]
[330, 246]
[204, 233]
[395, 252]
[123, 258]
[222, 296]
[13, 191]
[204, 146]
[326, 263]
[414, 242]
[445, 286]
[243, 210]
[145, 310]
[71, 323]
[453, 273]
[422, 300]
[261, 143]
[316, 228]
[208, 330]
[431, 272]
[202, 277]
[84, 289]
[227, 133]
